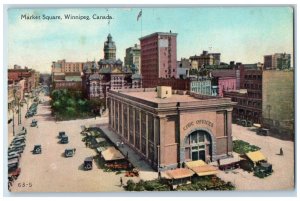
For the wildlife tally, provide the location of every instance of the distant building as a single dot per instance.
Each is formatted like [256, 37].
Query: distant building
[71, 81]
[278, 106]
[108, 74]
[133, 58]
[249, 97]
[17, 74]
[201, 86]
[61, 66]
[158, 57]
[183, 68]
[207, 59]
[167, 132]
[223, 80]
[277, 61]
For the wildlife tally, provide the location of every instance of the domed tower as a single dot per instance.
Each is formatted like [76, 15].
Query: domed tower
[109, 48]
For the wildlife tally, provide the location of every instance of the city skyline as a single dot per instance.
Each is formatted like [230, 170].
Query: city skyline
[242, 34]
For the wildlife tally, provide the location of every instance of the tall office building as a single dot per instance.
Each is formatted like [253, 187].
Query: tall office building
[158, 57]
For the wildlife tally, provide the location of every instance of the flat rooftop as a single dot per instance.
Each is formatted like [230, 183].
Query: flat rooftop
[148, 96]
[152, 97]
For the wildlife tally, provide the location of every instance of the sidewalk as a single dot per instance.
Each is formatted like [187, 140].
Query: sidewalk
[146, 171]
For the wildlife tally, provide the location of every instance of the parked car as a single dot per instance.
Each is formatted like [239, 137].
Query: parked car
[69, 152]
[61, 133]
[263, 131]
[33, 123]
[37, 149]
[64, 139]
[10, 120]
[88, 163]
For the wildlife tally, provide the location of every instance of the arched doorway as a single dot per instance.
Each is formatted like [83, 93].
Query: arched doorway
[198, 146]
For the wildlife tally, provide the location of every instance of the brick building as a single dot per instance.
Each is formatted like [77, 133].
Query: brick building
[173, 129]
[224, 80]
[158, 57]
[249, 100]
[17, 74]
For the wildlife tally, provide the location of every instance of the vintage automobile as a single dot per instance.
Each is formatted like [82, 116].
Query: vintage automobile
[34, 123]
[64, 139]
[61, 133]
[18, 144]
[88, 163]
[19, 139]
[263, 131]
[29, 114]
[263, 169]
[13, 164]
[37, 149]
[69, 152]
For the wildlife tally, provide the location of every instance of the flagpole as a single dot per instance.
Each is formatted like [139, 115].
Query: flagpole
[141, 23]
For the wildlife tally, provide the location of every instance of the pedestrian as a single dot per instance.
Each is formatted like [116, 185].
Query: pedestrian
[121, 181]
[127, 155]
[74, 150]
[281, 151]
[122, 144]
[86, 144]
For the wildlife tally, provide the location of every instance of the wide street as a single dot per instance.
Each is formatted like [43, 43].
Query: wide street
[52, 172]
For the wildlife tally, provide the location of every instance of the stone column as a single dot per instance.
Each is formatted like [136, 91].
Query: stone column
[122, 120]
[162, 139]
[147, 151]
[128, 128]
[229, 130]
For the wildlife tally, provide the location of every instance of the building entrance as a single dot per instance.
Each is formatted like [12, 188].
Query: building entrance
[198, 146]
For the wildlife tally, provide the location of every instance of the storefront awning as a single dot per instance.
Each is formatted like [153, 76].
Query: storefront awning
[179, 173]
[201, 168]
[256, 156]
[205, 170]
[197, 163]
[111, 154]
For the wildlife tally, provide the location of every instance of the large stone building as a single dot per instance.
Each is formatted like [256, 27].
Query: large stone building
[158, 57]
[278, 105]
[178, 127]
[277, 61]
[109, 73]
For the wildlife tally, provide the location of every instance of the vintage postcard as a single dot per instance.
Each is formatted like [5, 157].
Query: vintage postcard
[150, 99]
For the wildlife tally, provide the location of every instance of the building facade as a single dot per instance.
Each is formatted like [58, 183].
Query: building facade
[158, 57]
[206, 59]
[61, 66]
[249, 100]
[133, 58]
[17, 74]
[278, 106]
[224, 80]
[279, 61]
[201, 86]
[108, 73]
[169, 131]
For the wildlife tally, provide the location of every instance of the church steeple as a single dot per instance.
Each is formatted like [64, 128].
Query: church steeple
[109, 48]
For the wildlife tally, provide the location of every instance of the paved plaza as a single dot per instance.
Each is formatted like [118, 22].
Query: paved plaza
[52, 172]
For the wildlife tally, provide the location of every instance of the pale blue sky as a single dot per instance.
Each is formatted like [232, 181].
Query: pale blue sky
[242, 34]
